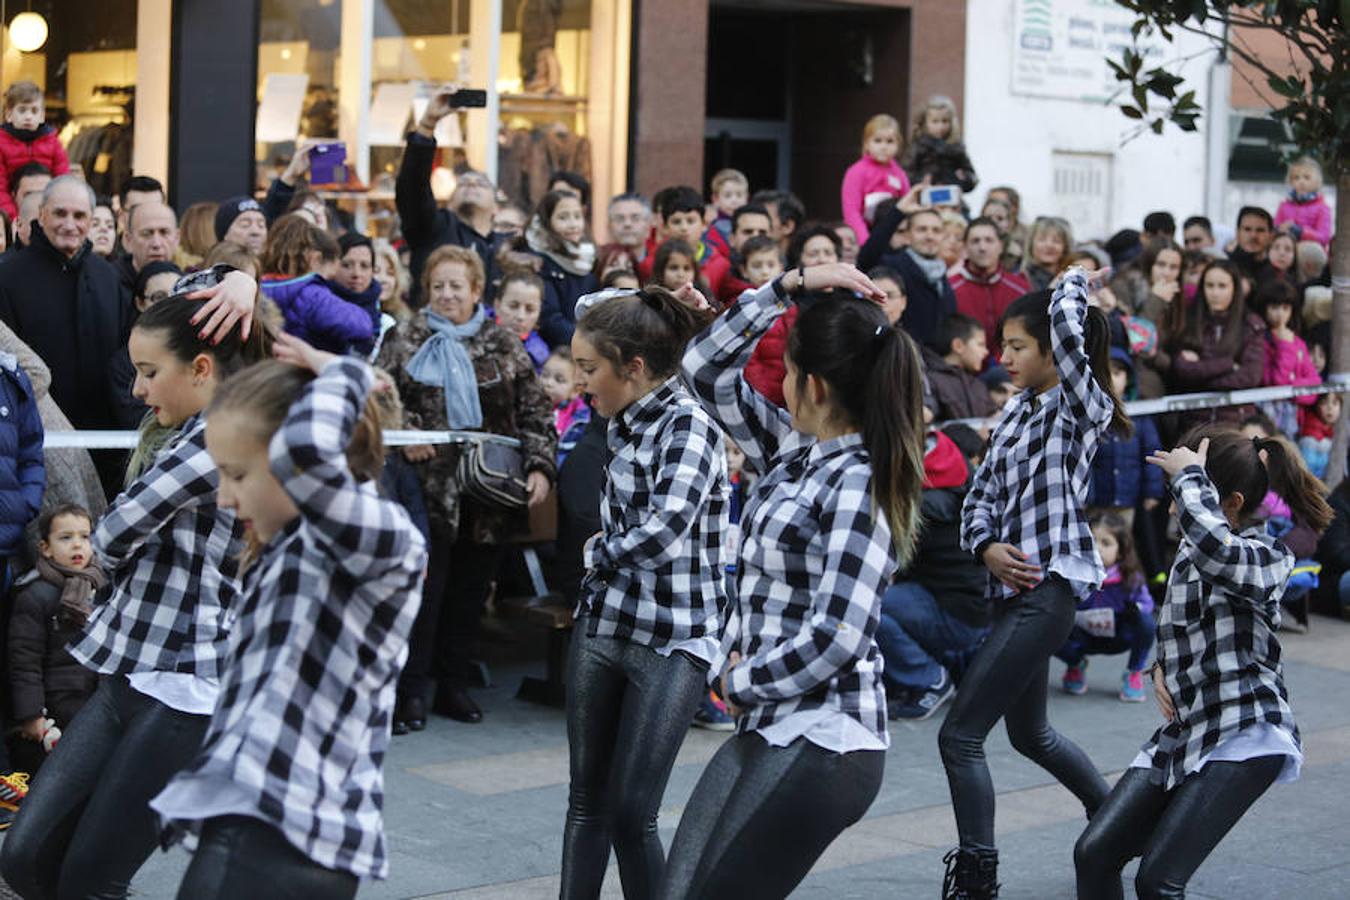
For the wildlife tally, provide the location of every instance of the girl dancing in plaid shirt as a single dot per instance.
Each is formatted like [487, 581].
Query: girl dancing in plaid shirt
[834, 510]
[649, 613]
[286, 793]
[157, 633]
[1024, 519]
[1229, 733]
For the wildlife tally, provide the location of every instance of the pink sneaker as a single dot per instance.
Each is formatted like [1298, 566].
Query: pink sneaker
[1075, 679]
[1132, 688]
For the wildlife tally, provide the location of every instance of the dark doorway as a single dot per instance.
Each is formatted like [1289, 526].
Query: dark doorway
[790, 86]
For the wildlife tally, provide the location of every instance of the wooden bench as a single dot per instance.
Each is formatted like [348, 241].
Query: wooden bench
[551, 690]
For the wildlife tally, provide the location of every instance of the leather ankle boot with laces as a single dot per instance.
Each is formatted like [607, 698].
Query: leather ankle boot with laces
[970, 875]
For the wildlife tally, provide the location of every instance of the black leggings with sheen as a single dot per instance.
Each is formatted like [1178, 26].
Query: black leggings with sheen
[242, 858]
[1174, 831]
[628, 709]
[1007, 680]
[761, 816]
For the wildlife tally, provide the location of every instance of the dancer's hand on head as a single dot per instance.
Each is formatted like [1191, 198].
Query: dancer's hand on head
[1009, 565]
[733, 660]
[1165, 705]
[231, 301]
[1173, 461]
[832, 275]
[291, 349]
[692, 297]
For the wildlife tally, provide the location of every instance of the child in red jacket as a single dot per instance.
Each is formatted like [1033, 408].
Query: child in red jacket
[24, 138]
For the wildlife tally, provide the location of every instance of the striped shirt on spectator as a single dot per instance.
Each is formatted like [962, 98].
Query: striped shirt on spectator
[814, 557]
[1217, 648]
[1031, 487]
[173, 555]
[658, 570]
[299, 735]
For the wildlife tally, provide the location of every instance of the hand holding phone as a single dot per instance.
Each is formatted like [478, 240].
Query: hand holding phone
[942, 195]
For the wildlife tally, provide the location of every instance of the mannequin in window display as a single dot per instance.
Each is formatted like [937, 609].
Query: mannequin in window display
[540, 70]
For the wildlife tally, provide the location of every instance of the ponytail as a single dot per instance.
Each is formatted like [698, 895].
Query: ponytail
[1097, 341]
[876, 384]
[650, 323]
[1236, 466]
[1291, 479]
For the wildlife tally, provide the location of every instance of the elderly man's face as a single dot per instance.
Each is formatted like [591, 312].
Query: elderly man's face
[65, 217]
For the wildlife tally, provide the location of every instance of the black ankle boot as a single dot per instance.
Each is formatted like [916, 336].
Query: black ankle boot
[971, 875]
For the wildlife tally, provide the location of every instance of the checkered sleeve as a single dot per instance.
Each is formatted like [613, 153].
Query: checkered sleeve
[678, 496]
[1246, 569]
[182, 478]
[356, 528]
[979, 513]
[838, 632]
[1068, 320]
[714, 370]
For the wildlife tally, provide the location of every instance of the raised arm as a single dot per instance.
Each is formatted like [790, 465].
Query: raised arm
[1251, 570]
[859, 561]
[364, 534]
[1068, 325]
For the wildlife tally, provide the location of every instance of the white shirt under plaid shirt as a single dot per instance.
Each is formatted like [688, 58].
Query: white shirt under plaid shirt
[173, 555]
[1217, 648]
[814, 559]
[300, 732]
[1031, 487]
[658, 569]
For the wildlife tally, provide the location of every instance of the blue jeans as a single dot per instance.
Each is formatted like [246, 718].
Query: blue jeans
[916, 635]
[1133, 633]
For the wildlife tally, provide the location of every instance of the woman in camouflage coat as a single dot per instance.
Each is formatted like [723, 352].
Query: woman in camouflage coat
[430, 357]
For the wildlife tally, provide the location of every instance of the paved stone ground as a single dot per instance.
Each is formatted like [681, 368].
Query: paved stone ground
[476, 811]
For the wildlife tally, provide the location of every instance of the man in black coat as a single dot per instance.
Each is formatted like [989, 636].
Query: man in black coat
[466, 221]
[931, 299]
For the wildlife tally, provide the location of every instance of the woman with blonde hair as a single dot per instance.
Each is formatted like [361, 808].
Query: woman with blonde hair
[1047, 251]
[393, 279]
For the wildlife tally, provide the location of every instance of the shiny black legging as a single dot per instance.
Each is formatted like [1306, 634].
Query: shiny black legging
[1007, 680]
[242, 858]
[628, 709]
[761, 816]
[86, 826]
[1174, 831]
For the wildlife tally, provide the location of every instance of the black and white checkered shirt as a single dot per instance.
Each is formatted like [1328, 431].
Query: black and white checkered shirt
[658, 574]
[814, 557]
[1031, 487]
[302, 724]
[173, 555]
[1216, 644]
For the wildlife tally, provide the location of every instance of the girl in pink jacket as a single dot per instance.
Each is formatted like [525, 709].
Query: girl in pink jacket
[876, 176]
[1305, 206]
[1287, 358]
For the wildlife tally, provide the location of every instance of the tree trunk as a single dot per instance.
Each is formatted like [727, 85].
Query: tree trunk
[1340, 316]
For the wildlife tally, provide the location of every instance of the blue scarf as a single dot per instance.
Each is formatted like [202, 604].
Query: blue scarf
[444, 363]
[1304, 198]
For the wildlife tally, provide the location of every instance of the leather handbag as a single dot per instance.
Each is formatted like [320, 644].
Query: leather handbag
[493, 473]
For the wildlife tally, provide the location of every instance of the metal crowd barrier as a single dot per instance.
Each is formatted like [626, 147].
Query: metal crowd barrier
[127, 440]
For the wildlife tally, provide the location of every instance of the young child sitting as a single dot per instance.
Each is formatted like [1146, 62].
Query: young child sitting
[1116, 618]
[571, 413]
[519, 300]
[951, 375]
[1287, 358]
[1305, 206]
[1316, 428]
[875, 176]
[298, 261]
[762, 260]
[25, 138]
[51, 605]
[936, 152]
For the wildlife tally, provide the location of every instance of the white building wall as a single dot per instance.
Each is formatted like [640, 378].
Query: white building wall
[1070, 157]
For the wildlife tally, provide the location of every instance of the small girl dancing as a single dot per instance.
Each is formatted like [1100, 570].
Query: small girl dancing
[1229, 732]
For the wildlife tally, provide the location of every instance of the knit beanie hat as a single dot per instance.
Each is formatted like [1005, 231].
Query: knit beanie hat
[151, 269]
[230, 210]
